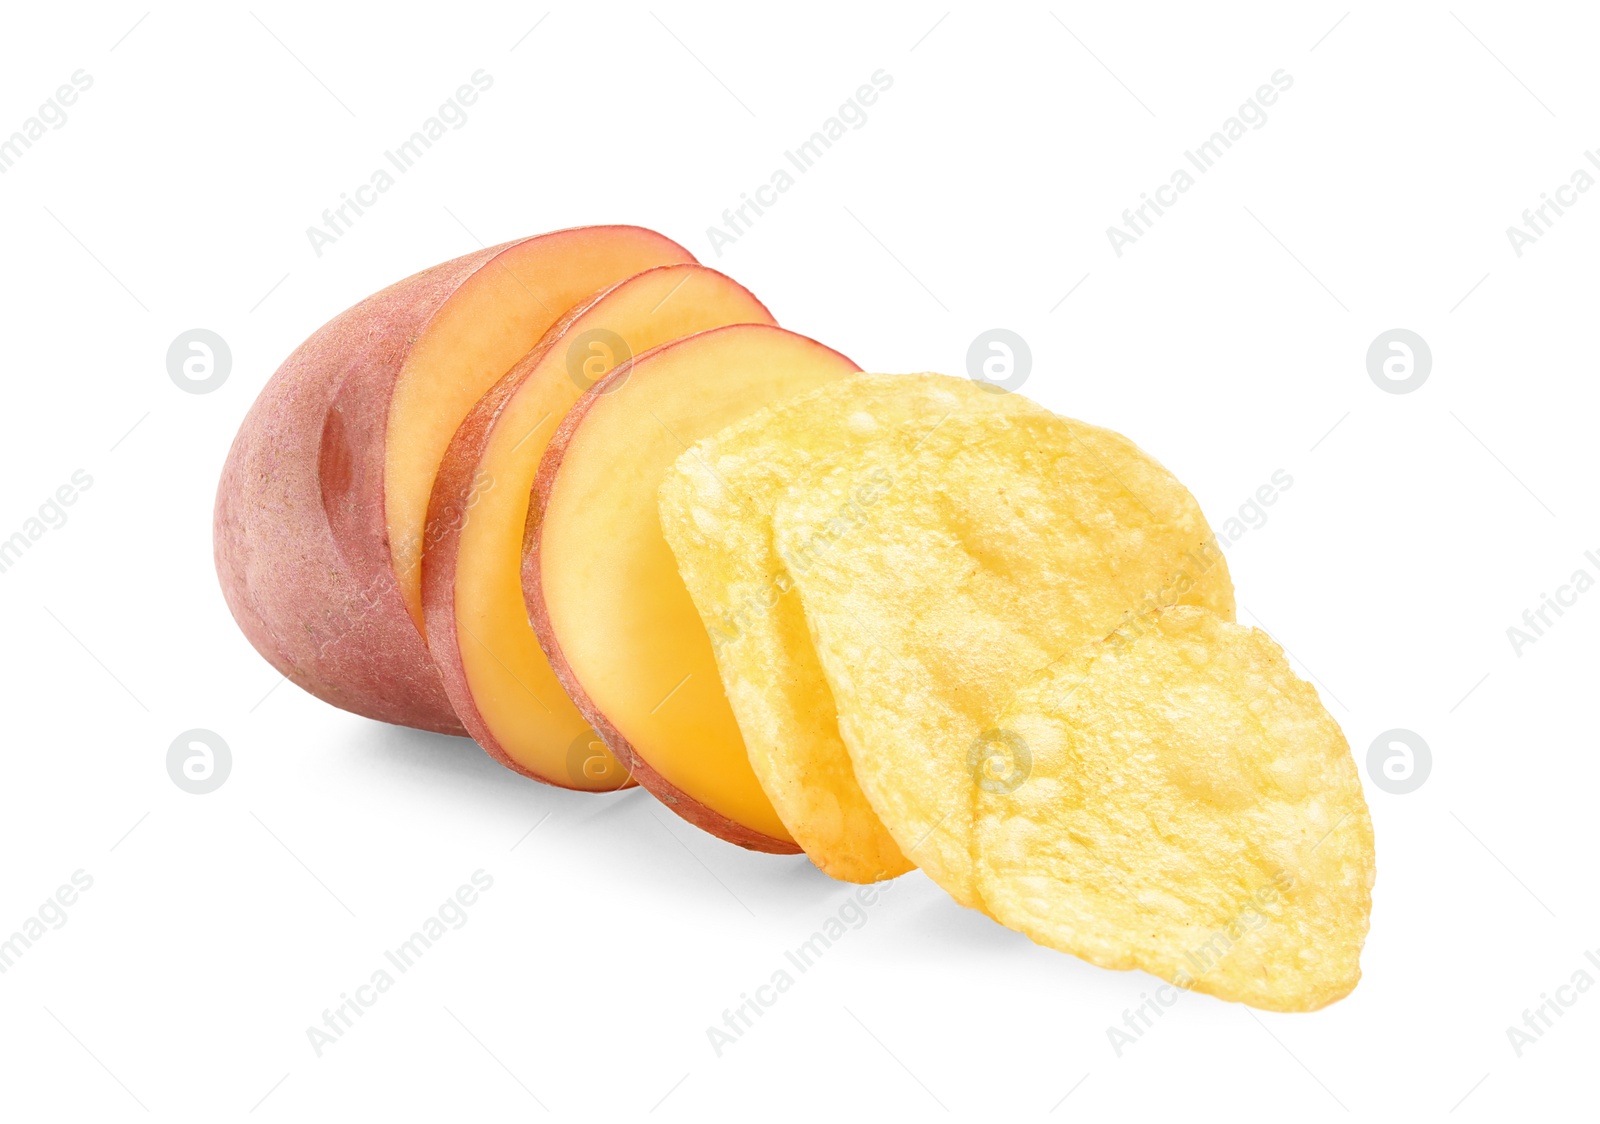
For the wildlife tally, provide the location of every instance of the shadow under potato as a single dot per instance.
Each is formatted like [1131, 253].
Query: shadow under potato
[631, 820]
[456, 766]
[940, 926]
[626, 836]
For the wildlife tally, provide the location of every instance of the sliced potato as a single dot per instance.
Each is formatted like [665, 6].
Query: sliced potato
[716, 510]
[602, 586]
[1175, 799]
[937, 577]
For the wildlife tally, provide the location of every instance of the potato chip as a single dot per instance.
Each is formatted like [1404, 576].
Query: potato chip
[1175, 799]
[716, 511]
[937, 577]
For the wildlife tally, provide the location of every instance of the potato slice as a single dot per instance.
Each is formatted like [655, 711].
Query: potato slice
[716, 511]
[602, 587]
[497, 677]
[1175, 799]
[937, 578]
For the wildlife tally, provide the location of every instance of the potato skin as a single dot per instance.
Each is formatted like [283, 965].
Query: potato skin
[299, 529]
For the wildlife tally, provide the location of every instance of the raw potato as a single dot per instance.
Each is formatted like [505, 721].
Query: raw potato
[498, 678]
[1175, 799]
[716, 511]
[602, 587]
[320, 512]
[937, 580]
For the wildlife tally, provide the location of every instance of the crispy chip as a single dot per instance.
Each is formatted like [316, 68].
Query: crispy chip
[936, 578]
[1175, 799]
[716, 512]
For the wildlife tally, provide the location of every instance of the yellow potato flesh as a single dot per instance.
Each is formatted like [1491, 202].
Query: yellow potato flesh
[489, 323]
[716, 509]
[615, 603]
[512, 685]
[937, 580]
[1175, 799]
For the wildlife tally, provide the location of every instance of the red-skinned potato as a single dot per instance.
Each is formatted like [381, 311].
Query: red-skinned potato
[320, 515]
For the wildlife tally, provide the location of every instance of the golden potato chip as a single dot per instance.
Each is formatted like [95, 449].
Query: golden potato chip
[716, 512]
[937, 577]
[1175, 799]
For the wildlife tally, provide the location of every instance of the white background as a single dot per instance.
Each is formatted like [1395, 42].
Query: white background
[1230, 342]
